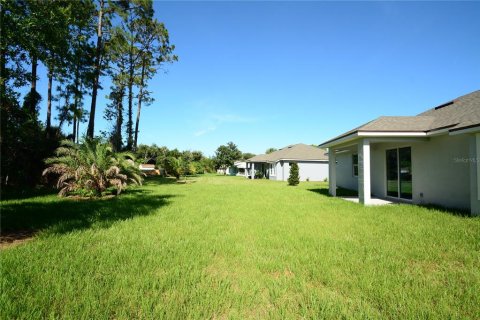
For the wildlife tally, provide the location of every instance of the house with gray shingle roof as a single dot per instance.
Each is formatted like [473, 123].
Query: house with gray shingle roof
[431, 158]
[312, 163]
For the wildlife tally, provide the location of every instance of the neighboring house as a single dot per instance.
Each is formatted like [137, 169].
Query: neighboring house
[238, 169]
[432, 158]
[312, 163]
[149, 169]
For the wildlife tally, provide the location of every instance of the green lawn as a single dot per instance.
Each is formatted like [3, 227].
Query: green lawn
[227, 247]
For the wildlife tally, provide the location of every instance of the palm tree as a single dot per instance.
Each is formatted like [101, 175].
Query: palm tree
[91, 166]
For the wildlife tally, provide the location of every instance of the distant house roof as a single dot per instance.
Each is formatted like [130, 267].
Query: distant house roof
[293, 152]
[240, 164]
[458, 114]
[146, 167]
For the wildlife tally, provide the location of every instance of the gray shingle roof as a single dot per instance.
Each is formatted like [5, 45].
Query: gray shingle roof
[460, 113]
[293, 152]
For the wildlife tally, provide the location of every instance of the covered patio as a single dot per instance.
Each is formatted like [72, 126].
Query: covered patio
[379, 168]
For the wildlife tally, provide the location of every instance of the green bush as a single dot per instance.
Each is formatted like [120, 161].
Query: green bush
[175, 167]
[259, 175]
[294, 178]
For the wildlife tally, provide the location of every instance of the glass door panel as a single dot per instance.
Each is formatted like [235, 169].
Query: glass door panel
[405, 168]
[392, 173]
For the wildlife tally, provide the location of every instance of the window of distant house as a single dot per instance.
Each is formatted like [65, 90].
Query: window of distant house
[355, 165]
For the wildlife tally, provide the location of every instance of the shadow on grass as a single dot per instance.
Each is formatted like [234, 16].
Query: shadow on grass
[341, 192]
[155, 180]
[24, 193]
[456, 212]
[58, 216]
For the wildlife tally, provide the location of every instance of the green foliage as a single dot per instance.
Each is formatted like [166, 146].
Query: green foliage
[208, 165]
[78, 42]
[270, 150]
[92, 167]
[175, 166]
[192, 168]
[226, 155]
[247, 155]
[24, 144]
[259, 175]
[294, 177]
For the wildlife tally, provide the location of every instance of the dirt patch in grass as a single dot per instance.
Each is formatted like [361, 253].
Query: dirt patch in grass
[13, 239]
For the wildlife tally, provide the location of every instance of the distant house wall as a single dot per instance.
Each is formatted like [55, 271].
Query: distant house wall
[439, 176]
[311, 170]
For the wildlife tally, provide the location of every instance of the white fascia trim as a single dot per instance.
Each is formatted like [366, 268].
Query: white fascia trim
[339, 140]
[467, 130]
[391, 134]
[438, 132]
[302, 160]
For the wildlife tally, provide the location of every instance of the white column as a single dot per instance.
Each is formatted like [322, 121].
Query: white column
[475, 174]
[332, 172]
[364, 187]
[253, 170]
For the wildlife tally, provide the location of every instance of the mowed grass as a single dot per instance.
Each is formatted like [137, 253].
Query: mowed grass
[231, 248]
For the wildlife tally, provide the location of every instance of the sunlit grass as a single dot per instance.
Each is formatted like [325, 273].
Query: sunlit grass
[228, 247]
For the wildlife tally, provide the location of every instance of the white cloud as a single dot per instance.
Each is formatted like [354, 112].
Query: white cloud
[204, 131]
[231, 118]
[216, 120]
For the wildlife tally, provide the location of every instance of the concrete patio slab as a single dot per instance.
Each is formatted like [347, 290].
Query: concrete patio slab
[373, 201]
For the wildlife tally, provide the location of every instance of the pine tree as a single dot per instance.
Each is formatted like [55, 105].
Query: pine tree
[294, 177]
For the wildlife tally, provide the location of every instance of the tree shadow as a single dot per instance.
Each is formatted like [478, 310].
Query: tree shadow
[341, 192]
[156, 180]
[24, 193]
[59, 215]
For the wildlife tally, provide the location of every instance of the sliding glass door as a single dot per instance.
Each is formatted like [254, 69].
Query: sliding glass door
[399, 173]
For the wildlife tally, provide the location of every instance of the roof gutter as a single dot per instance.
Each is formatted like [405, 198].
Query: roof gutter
[339, 140]
[470, 129]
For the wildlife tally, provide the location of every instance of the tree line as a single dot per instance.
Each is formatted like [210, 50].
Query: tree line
[180, 163]
[80, 43]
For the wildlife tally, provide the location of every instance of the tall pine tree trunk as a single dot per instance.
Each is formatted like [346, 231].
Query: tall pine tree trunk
[75, 103]
[74, 132]
[33, 88]
[130, 116]
[78, 130]
[119, 122]
[3, 88]
[3, 76]
[91, 122]
[131, 71]
[49, 101]
[140, 97]
[131, 78]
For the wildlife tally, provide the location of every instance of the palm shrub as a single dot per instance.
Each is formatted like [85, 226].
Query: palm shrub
[294, 178]
[93, 167]
[175, 166]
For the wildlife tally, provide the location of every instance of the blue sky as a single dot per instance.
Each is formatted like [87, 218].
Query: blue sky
[269, 74]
